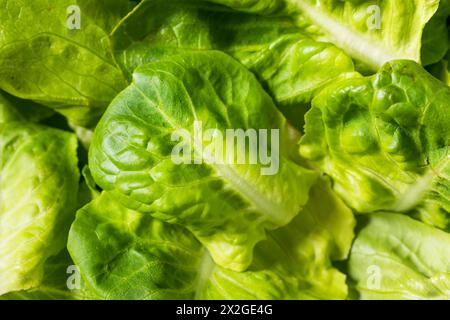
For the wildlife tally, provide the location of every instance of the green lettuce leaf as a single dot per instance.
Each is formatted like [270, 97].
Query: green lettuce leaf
[226, 204]
[70, 70]
[290, 65]
[59, 274]
[375, 32]
[396, 257]
[106, 13]
[385, 141]
[38, 188]
[124, 254]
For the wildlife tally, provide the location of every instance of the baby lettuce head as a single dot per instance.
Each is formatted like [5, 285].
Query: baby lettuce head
[198, 181]
[124, 254]
[227, 205]
[38, 187]
[385, 141]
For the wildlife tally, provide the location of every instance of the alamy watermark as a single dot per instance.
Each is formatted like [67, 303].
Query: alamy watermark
[374, 19]
[74, 279]
[233, 146]
[73, 21]
[374, 277]
[373, 16]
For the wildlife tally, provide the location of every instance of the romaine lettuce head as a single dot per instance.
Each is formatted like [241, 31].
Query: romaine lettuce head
[385, 141]
[124, 254]
[38, 192]
[396, 257]
[226, 202]
[377, 31]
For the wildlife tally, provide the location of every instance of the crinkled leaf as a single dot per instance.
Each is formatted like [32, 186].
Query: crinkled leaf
[42, 59]
[289, 64]
[385, 141]
[123, 254]
[226, 205]
[38, 188]
[15, 109]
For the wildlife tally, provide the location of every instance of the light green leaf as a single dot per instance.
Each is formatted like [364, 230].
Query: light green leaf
[396, 257]
[45, 58]
[290, 65]
[58, 273]
[38, 188]
[385, 141]
[227, 204]
[123, 254]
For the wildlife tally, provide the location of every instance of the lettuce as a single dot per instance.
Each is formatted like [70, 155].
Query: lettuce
[228, 149]
[124, 254]
[69, 70]
[396, 257]
[131, 154]
[385, 140]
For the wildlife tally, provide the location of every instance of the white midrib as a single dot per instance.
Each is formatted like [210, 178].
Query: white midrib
[205, 270]
[239, 184]
[242, 186]
[354, 42]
